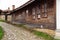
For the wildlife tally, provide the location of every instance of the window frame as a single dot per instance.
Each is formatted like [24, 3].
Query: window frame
[33, 13]
[44, 10]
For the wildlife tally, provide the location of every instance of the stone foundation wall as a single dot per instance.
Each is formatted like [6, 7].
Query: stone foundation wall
[2, 17]
[9, 17]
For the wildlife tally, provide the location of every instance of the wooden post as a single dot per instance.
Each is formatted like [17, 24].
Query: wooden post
[13, 17]
[6, 16]
[0, 15]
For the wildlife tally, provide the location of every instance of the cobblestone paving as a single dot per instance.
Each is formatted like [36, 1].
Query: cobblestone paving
[16, 33]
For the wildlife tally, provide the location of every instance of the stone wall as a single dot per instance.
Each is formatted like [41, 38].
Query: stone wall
[2, 17]
[9, 17]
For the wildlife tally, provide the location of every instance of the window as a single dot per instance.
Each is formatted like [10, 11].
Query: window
[45, 7]
[44, 10]
[39, 16]
[27, 13]
[50, 3]
[38, 12]
[33, 13]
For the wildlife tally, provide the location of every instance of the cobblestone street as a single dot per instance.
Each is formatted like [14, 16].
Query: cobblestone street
[16, 33]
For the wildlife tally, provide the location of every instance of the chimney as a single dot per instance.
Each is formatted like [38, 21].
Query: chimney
[13, 7]
[8, 8]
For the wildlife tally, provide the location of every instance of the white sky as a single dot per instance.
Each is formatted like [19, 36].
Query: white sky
[4, 4]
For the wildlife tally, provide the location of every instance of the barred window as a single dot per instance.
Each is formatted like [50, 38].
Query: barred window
[27, 11]
[33, 13]
[38, 12]
[39, 16]
[44, 10]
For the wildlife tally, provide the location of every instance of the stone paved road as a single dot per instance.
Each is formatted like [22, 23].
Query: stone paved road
[16, 33]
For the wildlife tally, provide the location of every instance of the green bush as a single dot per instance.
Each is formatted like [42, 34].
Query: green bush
[1, 33]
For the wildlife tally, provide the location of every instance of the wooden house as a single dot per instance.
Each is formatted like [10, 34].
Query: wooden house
[36, 12]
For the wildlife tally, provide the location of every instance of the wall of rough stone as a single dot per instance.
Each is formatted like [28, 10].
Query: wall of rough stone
[2, 17]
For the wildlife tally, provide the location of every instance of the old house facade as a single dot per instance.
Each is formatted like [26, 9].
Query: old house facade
[4, 15]
[38, 12]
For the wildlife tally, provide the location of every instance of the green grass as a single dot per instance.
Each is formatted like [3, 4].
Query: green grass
[2, 20]
[43, 35]
[21, 25]
[1, 33]
[57, 39]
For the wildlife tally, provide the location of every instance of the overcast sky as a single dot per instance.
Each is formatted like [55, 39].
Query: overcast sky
[4, 4]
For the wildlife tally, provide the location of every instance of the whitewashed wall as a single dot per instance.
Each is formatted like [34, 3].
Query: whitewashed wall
[58, 13]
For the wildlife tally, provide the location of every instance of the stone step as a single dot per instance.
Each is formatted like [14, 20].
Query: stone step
[57, 34]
